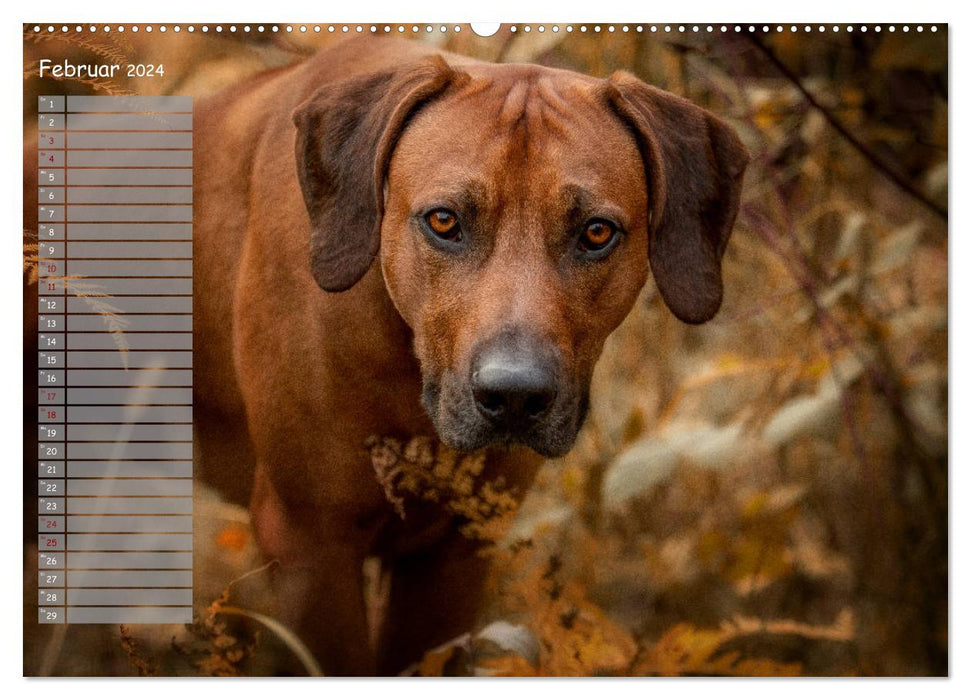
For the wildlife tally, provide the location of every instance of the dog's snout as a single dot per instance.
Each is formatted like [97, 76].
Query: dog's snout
[513, 389]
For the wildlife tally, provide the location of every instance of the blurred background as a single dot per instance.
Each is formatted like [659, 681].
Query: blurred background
[763, 495]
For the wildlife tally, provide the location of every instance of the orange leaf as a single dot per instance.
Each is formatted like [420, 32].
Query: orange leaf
[233, 537]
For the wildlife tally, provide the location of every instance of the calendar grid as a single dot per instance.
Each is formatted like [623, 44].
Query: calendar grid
[115, 359]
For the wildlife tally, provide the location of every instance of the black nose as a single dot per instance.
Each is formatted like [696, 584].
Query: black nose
[512, 387]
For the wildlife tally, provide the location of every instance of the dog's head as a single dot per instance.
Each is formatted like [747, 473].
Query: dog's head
[515, 210]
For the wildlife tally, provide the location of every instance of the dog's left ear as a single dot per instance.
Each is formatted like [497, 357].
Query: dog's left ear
[346, 132]
[694, 165]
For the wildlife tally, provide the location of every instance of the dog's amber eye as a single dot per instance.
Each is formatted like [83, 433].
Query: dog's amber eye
[597, 235]
[443, 223]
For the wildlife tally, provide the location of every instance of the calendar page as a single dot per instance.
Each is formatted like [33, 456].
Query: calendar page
[436, 349]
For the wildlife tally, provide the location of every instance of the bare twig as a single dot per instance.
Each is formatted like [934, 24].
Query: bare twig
[838, 126]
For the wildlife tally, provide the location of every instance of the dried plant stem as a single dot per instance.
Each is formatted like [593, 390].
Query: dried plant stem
[838, 126]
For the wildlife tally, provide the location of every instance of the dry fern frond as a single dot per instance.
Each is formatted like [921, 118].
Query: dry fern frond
[686, 650]
[143, 665]
[217, 650]
[31, 260]
[114, 48]
[212, 648]
[433, 472]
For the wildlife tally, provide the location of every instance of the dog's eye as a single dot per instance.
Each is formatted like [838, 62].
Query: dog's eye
[597, 235]
[444, 224]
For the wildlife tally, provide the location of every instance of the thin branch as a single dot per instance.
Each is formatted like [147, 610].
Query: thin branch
[831, 119]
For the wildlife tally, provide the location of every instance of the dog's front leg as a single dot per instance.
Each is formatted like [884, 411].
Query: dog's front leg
[319, 580]
[435, 595]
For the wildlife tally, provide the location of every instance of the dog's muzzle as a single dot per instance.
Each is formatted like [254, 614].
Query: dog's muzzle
[514, 392]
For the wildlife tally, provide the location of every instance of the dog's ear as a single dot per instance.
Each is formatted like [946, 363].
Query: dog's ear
[346, 132]
[694, 165]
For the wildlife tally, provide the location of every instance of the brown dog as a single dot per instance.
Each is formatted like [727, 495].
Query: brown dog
[391, 241]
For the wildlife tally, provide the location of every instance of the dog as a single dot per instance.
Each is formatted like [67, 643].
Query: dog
[393, 240]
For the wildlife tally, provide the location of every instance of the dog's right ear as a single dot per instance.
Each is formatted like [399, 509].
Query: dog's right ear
[346, 132]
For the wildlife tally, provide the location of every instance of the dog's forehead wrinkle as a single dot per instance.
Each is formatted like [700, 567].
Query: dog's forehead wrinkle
[514, 104]
[532, 96]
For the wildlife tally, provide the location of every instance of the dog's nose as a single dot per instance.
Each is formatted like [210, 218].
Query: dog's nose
[512, 389]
